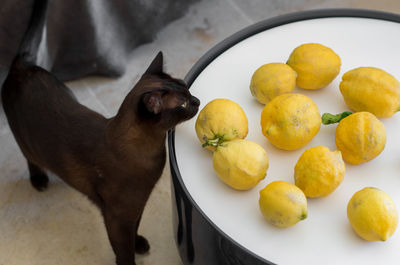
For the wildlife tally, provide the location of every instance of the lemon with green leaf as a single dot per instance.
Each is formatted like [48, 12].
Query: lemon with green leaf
[219, 121]
[359, 136]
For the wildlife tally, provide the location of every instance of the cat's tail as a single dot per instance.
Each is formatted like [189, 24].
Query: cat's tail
[29, 45]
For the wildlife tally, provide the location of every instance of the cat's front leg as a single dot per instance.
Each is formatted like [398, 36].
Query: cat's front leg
[38, 177]
[122, 238]
[141, 244]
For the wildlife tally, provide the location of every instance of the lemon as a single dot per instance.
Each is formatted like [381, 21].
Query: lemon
[360, 137]
[283, 204]
[271, 80]
[221, 120]
[241, 164]
[372, 214]
[319, 171]
[316, 65]
[290, 121]
[371, 89]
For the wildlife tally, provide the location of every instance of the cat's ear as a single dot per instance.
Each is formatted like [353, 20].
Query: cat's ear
[156, 67]
[153, 102]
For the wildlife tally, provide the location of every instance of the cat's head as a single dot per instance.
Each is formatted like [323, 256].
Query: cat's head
[164, 101]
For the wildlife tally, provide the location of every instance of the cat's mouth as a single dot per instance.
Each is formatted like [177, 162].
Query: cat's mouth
[194, 102]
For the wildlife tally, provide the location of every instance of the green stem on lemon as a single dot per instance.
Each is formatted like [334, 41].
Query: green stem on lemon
[328, 118]
[216, 141]
[303, 216]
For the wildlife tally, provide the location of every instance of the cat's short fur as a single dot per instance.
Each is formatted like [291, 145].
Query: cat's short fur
[115, 162]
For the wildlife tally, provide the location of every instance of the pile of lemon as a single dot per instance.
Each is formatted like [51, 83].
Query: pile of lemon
[290, 121]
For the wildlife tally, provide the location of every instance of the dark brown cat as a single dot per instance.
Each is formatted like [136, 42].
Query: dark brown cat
[115, 162]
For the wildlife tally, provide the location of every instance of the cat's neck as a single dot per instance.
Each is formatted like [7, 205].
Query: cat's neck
[129, 133]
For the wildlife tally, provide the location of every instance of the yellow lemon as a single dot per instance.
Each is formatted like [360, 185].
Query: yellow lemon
[316, 65]
[371, 89]
[290, 121]
[360, 137]
[271, 80]
[241, 164]
[319, 171]
[372, 214]
[221, 120]
[283, 204]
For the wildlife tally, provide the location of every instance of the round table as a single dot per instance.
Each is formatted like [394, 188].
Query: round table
[215, 224]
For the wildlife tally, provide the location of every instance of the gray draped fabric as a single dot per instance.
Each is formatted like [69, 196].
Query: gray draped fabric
[84, 37]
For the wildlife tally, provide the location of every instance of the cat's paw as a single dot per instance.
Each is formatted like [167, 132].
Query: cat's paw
[39, 181]
[141, 245]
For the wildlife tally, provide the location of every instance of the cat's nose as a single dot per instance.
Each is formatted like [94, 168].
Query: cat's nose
[195, 101]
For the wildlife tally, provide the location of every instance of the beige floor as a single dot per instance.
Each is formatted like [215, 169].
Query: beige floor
[60, 226]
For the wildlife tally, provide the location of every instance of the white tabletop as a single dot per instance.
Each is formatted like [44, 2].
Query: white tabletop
[326, 236]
